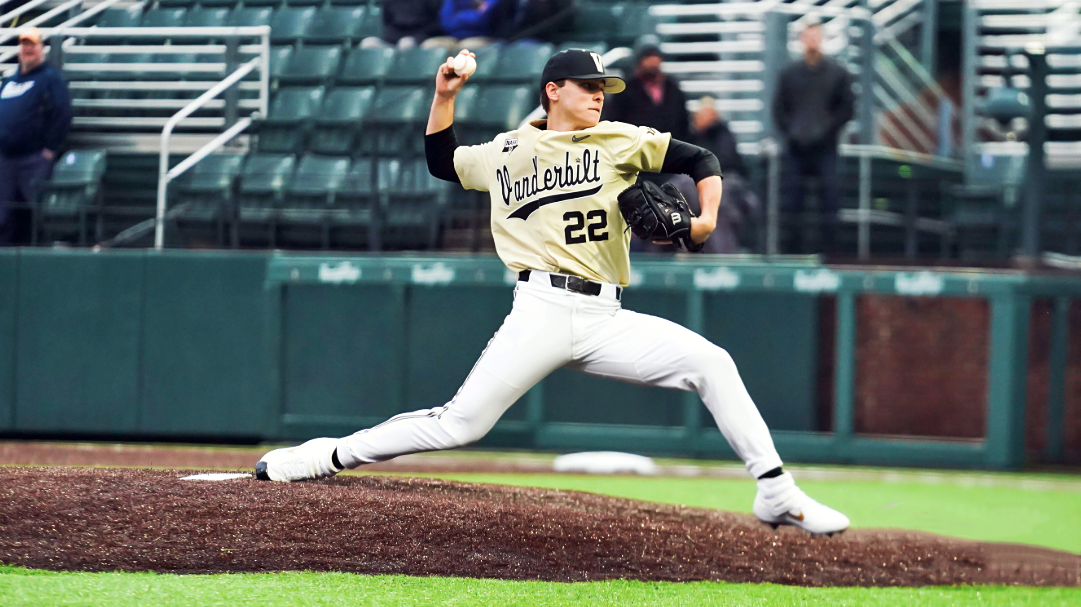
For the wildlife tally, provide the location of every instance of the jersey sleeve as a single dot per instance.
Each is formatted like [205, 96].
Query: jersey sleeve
[637, 149]
[472, 162]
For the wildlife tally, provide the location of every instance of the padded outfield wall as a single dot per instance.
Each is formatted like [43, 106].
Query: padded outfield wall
[257, 346]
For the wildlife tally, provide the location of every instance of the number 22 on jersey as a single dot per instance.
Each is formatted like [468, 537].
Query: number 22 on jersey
[598, 221]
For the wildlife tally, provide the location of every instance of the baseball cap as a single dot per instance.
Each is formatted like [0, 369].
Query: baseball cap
[30, 33]
[580, 64]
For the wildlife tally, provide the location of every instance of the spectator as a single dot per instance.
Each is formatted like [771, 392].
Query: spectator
[538, 19]
[35, 113]
[651, 97]
[739, 204]
[812, 103]
[407, 23]
[474, 23]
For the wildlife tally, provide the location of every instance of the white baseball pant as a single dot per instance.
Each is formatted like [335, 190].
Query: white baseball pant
[549, 328]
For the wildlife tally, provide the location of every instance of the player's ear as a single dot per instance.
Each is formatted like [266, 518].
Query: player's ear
[552, 90]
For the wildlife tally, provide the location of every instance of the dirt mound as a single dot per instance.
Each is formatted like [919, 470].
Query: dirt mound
[149, 520]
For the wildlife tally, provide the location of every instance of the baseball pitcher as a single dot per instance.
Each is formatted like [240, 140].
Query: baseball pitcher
[564, 199]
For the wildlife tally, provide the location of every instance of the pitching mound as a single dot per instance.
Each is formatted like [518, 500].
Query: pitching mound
[141, 520]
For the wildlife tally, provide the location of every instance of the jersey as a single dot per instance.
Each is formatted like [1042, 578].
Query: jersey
[553, 194]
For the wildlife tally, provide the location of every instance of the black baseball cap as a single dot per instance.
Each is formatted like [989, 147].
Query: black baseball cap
[580, 64]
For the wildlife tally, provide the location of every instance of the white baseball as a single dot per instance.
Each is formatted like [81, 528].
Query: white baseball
[464, 64]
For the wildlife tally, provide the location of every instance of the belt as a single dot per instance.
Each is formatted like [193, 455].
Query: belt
[577, 284]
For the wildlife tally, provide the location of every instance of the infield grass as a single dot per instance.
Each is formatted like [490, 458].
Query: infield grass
[20, 587]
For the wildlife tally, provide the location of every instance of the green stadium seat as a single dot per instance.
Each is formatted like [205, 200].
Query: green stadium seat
[279, 58]
[208, 192]
[242, 17]
[289, 119]
[163, 17]
[595, 22]
[262, 186]
[66, 202]
[188, 4]
[397, 118]
[373, 22]
[367, 66]
[634, 23]
[500, 108]
[206, 17]
[219, 4]
[117, 17]
[289, 24]
[410, 216]
[416, 66]
[309, 199]
[262, 2]
[310, 3]
[352, 3]
[311, 65]
[356, 207]
[465, 105]
[522, 62]
[336, 25]
[342, 116]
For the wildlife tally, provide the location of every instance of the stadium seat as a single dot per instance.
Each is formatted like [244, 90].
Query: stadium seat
[289, 24]
[279, 58]
[373, 22]
[163, 17]
[289, 119]
[341, 119]
[356, 206]
[336, 25]
[595, 22]
[634, 23]
[117, 17]
[206, 17]
[522, 62]
[220, 3]
[500, 108]
[207, 191]
[188, 4]
[397, 117]
[464, 110]
[66, 201]
[262, 2]
[241, 17]
[410, 216]
[311, 65]
[367, 66]
[262, 185]
[416, 66]
[308, 201]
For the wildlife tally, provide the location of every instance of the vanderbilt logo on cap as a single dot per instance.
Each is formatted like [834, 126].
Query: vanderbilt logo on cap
[509, 145]
[597, 60]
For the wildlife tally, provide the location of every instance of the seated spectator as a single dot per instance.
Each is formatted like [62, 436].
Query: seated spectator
[472, 23]
[407, 23]
[739, 204]
[538, 19]
[651, 97]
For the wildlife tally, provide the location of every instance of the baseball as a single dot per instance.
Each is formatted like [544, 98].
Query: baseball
[464, 64]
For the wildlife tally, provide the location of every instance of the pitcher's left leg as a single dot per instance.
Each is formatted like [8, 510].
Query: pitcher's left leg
[652, 351]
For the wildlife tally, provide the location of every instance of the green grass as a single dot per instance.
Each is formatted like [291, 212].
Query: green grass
[20, 587]
[997, 513]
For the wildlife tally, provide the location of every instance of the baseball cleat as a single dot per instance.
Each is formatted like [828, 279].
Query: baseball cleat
[309, 461]
[780, 502]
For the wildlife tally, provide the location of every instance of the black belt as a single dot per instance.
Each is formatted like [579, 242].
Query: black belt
[573, 283]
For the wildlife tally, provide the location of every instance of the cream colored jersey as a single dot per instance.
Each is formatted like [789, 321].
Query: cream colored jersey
[554, 194]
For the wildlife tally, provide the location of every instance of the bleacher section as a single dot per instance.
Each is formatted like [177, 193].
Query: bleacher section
[338, 159]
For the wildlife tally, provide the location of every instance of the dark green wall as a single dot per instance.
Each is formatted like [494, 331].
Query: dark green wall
[180, 344]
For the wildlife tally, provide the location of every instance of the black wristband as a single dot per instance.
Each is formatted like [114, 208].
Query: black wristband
[439, 151]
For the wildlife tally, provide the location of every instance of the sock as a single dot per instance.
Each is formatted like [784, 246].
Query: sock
[772, 473]
[338, 464]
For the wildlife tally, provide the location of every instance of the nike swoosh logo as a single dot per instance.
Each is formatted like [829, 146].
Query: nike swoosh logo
[798, 517]
[524, 211]
[579, 139]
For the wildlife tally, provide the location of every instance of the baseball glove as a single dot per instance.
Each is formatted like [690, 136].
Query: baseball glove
[658, 213]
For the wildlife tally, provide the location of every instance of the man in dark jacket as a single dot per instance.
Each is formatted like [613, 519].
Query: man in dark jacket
[651, 97]
[812, 103]
[35, 113]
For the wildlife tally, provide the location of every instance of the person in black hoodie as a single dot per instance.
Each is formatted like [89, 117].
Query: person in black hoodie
[35, 114]
[812, 103]
[651, 98]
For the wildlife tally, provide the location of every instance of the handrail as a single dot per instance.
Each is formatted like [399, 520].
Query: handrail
[29, 6]
[42, 17]
[164, 174]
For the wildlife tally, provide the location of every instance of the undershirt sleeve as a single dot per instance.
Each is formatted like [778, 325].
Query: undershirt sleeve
[683, 157]
[439, 151]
